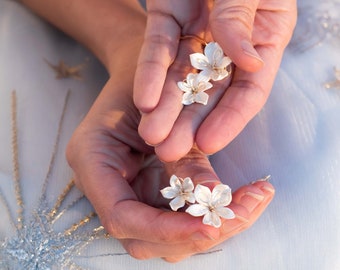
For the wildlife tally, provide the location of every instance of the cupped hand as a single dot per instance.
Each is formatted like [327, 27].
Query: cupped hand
[122, 178]
[253, 34]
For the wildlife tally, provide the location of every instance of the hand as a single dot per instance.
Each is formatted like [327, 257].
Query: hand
[122, 178]
[115, 169]
[253, 34]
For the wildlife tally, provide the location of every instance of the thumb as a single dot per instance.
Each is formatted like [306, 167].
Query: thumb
[195, 165]
[231, 25]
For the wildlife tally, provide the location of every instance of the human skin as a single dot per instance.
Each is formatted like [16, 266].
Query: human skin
[120, 174]
[252, 33]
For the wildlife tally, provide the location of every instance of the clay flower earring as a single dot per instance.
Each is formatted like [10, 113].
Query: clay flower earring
[213, 65]
[180, 190]
[212, 205]
[194, 88]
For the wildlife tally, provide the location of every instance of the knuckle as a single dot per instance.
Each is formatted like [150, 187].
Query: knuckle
[236, 13]
[111, 223]
[199, 247]
[137, 251]
[164, 236]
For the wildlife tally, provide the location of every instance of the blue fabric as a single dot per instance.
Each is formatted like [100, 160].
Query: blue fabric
[295, 139]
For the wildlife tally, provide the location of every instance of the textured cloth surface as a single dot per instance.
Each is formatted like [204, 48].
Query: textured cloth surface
[295, 139]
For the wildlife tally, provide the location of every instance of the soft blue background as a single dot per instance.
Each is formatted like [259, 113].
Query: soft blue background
[295, 139]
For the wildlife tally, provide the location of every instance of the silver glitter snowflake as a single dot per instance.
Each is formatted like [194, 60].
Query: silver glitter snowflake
[36, 244]
[316, 24]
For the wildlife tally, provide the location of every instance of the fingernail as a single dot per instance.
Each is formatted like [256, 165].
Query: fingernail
[242, 219]
[264, 186]
[251, 200]
[255, 196]
[269, 189]
[149, 144]
[199, 236]
[248, 49]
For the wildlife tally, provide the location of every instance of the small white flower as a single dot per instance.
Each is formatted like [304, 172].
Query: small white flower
[213, 63]
[180, 190]
[193, 88]
[212, 205]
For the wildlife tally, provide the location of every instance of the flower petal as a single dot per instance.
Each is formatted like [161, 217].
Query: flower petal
[203, 86]
[202, 98]
[184, 86]
[188, 98]
[225, 61]
[215, 220]
[210, 51]
[187, 184]
[225, 212]
[169, 192]
[199, 61]
[190, 197]
[212, 219]
[217, 55]
[219, 75]
[177, 203]
[202, 195]
[221, 195]
[197, 210]
[175, 182]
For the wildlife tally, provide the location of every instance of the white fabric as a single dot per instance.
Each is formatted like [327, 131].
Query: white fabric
[295, 139]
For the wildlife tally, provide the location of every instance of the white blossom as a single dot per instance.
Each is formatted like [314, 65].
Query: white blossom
[213, 63]
[212, 205]
[194, 88]
[180, 190]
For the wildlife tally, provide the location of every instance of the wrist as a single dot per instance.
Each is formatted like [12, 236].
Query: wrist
[100, 25]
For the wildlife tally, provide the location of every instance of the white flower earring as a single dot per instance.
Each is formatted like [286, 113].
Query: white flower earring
[213, 65]
[212, 205]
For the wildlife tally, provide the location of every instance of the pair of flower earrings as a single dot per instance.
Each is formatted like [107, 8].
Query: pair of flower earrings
[201, 201]
[213, 65]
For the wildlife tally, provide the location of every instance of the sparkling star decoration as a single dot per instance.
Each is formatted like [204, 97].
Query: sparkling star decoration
[36, 243]
[63, 71]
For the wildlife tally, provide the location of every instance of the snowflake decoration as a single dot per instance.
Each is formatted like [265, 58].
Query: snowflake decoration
[35, 243]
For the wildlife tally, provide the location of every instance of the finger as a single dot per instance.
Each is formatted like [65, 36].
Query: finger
[182, 136]
[231, 25]
[155, 126]
[254, 199]
[158, 52]
[251, 201]
[195, 165]
[124, 217]
[241, 102]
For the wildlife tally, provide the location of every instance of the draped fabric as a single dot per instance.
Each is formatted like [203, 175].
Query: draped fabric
[295, 138]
